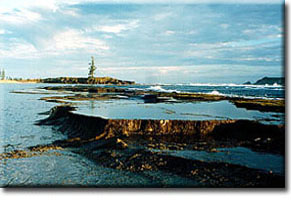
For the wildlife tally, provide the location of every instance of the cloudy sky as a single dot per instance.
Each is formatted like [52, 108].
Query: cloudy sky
[164, 42]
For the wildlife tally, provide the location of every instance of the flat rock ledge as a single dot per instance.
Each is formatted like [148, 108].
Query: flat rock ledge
[244, 132]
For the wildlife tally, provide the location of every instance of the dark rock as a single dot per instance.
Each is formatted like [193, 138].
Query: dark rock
[271, 81]
[247, 83]
[77, 80]
[150, 98]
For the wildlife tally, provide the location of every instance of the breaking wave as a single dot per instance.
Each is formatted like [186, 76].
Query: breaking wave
[215, 92]
[234, 85]
[230, 90]
[158, 88]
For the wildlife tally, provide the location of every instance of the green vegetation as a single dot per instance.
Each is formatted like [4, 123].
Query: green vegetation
[2, 74]
[92, 68]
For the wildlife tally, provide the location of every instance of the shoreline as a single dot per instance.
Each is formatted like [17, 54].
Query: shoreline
[14, 81]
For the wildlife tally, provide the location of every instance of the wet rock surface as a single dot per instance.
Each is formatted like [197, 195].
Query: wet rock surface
[139, 146]
[260, 137]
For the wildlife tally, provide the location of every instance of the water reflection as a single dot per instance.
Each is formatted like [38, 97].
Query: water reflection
[238, 155]
[130, 109]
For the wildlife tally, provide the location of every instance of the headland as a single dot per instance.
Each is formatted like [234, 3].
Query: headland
[73, 80]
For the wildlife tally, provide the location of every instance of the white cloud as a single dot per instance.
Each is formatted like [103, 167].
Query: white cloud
[273, 36]
[262, 29]
[201, 53]
[225, 26]
[71, 12]
[67, 42]
[217, 50]
[113, 29]
[8, 5]
[17, 49]
[192, 32]
[2, 31]
[73, 40]
[107, 36]
[238, 45]
[162, 16]
[20, 17]
[209, 45]
[207, 50]
[161, 69]
[168, 32]
[116, 29]
[266, 59]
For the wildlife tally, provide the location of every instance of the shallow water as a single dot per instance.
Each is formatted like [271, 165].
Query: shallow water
[129, 109]
[66, 169]
[238, 155]
[20, 111]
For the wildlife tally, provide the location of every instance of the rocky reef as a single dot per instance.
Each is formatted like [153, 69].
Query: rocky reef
[152, 146]
[242, 132]
[102, 93]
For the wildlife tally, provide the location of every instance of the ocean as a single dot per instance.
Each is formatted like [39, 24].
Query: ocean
[234, 90]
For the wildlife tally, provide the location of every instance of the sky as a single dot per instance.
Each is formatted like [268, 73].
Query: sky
[144, 41]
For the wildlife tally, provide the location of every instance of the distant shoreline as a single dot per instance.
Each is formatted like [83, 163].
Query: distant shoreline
[74, 80]
[14, 81]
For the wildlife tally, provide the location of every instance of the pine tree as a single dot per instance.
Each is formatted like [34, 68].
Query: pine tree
[92, 68]
[3, 74]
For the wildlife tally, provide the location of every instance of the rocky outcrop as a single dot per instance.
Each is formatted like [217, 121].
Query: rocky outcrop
[271, 81]
[77, 125]
[268, 81]
[97, 80]
[88, 128]
[247, 83]
[264, 105]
